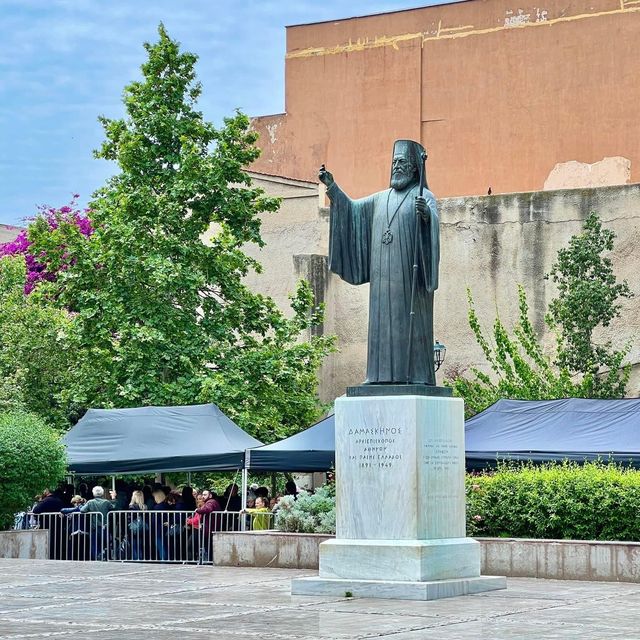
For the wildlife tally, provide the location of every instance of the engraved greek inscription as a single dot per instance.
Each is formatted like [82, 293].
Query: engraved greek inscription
[375, 448]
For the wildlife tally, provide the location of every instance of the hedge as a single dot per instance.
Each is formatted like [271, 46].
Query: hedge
[595, 501]
[31, 459]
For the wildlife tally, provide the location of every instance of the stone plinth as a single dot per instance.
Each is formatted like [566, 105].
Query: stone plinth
[400, 503]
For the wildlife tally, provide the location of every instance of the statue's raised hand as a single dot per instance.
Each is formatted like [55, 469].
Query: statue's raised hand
[422, 208]
[325, 177]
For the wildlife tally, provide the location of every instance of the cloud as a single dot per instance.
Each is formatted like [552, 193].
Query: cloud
[64, 62]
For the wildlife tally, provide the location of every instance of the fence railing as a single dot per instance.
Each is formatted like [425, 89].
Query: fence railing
[142, 536]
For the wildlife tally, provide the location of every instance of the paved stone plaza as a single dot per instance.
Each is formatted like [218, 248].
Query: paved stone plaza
[110, 601]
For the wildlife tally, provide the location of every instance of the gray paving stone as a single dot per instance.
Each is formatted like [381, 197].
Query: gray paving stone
[109, 601]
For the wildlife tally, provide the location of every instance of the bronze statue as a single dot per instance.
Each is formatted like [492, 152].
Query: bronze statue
[391, 240]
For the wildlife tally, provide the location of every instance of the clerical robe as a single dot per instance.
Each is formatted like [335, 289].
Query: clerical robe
[358, 254]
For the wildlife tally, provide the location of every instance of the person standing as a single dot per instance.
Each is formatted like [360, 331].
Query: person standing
[101, 507]
[208, 523]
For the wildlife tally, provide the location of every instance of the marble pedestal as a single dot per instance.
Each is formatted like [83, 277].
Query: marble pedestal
[400, 503]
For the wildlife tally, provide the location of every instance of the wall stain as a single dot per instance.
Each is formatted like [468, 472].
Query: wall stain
[315, 269]
[451, 33]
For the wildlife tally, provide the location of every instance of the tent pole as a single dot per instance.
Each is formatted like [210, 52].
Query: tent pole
[189, 478]
[245, 487]
[113, 483]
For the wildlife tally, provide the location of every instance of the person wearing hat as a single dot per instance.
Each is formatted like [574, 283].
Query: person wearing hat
[379, 239]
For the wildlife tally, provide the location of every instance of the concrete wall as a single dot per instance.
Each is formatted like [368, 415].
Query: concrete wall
[561, 559]
[502, 94]
[31, 545]
[489, 244]
[268, 549]
[511, 557]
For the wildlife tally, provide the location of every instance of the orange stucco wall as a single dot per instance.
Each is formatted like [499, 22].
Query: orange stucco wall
[498, 92]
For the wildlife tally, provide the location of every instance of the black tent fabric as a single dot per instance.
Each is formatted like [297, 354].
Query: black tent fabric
[545, 430]
[310, 450]
[156, 439]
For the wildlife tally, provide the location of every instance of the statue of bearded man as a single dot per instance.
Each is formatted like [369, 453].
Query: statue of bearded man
[378, 239]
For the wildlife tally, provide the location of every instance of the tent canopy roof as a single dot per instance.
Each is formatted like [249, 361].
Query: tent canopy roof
[310, 450]
[156, 439]
[573, 428]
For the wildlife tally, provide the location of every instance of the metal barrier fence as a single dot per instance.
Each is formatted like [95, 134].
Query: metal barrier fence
[142, 536]
[76, 536]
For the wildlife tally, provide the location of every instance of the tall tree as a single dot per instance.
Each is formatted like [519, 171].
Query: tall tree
[589, 297]
[159, 302]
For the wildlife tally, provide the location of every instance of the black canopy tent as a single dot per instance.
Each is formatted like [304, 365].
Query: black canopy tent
[310, 450]
[545, 430]
[156, 439]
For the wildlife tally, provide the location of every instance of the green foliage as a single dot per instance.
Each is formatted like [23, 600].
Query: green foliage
[310, 513]
[520, 368]
[161, 313]
[268, 386]
[581, 368]
[31, 459]
[588, 298]
[592, 502]
[34, 356]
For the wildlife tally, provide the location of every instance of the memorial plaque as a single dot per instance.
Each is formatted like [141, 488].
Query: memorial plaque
[399, 469]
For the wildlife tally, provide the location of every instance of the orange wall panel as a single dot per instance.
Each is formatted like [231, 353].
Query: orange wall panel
[498, 94]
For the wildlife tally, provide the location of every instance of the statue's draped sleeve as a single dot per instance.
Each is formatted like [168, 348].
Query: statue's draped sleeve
[430, 231]
[350, 236]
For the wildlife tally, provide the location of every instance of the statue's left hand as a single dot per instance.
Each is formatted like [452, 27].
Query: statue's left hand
[422, 208]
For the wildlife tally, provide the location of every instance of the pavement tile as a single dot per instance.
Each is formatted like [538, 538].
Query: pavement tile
[105, 601]
[499, 629]
[310, 623]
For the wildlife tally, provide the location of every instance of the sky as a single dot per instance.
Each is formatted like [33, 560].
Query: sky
[65, 62]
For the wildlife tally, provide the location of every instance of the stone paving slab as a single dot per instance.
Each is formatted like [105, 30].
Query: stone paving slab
[110, 601]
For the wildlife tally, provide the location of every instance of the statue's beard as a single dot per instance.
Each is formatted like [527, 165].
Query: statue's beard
[401, 180]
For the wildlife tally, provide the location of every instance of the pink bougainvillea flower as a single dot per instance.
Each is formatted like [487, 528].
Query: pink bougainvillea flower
[37, 266]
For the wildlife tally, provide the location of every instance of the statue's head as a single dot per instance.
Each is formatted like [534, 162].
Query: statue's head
[408, 157]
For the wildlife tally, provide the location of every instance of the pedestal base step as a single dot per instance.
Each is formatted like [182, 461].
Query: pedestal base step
[386, 589]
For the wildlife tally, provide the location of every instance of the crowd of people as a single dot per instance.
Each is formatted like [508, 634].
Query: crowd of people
[151, 522]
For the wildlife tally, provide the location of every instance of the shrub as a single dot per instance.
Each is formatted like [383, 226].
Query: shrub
[31, 459]
[595, 501]
[310, 513]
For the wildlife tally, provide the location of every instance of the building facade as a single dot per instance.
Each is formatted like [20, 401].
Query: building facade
[516, 97]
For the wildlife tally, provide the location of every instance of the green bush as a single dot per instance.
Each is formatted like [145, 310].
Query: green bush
[31, 459]
[310, 513]
[595, 501]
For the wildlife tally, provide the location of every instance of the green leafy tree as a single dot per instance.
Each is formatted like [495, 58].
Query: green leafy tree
[35, 362]
[161, 313]
[31, 459]
[589, 298]
[519, 367]
[268, 387]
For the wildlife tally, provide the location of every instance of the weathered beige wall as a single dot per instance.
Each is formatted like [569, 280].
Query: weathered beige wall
[489, 243]
[493, 243]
